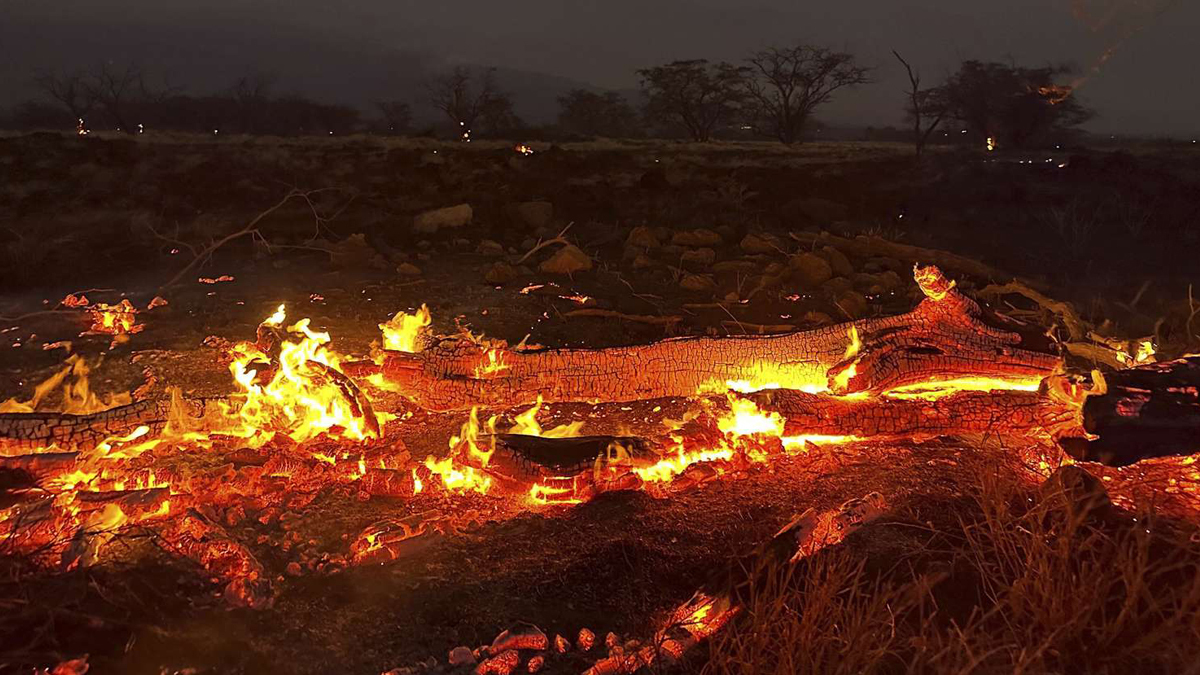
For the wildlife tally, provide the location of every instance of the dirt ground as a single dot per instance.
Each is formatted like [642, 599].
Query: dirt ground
[118, 218]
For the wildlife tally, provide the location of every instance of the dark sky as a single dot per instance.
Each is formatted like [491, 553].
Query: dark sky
[370, 49]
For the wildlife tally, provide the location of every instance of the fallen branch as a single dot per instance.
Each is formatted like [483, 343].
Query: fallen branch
[560, 239]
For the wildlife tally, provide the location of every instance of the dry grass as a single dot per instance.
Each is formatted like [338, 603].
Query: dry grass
[1020, 585]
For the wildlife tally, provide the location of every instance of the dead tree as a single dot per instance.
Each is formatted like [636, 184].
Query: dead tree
[71, 90]
[785, 85]
[926, 107]
[469, 105]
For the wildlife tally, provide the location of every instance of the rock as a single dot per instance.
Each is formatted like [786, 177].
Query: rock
[697, 237]
[761, 243]
[461, 656]
[424, 243]
[736, 266]
[408, 270]
[837, 285]
[642, 237]
[700, 257]
[890, 280]
[528, 243]
[643, 261]
[697, 282]
[852, 303]
[500, 273]
[810, 269]
[814, 211]
[1074, 490]
[531, 214]
[773, 268]
[567, 260]
[837, 260]
[814, 318]
[525, 636]
[354, 252]
[490, 248]
[444, 218]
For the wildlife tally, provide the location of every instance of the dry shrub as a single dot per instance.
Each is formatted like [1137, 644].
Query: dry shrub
[1016, 585]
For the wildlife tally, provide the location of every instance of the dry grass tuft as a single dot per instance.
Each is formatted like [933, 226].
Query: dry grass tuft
[1018, 584]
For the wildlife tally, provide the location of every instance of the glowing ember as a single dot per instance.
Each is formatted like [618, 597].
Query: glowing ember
[116, 319]
[523, 149]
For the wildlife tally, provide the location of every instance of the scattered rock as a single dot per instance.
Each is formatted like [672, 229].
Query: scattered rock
[531, 214]
[561, 644]
[814, 318]
[852, 303]
[461, 656]
[642, 237]
[699, 257]
[408, 270]
[567, 260]
[525, 636]
[697, 282]
[535, 664]
[448, 217]
[837, 285]
[643, 261]
[355, 252]
[490, 248]
[586, 639]
[837, 260]
[500, 273]
[736, 266]
[761, 243]
[810, 269]
[697, 237]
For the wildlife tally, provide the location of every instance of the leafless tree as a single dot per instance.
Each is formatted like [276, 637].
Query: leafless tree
[397, 115]
[70, 90]
[785, 85]
[252, 95]
[698, 96]
[469, 101]
[926, 107]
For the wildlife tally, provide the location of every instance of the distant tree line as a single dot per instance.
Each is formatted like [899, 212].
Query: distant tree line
[773, 93]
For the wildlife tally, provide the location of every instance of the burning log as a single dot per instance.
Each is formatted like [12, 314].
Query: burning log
[942, 339]
[29, 431]
[1152, 410]
[898, 415]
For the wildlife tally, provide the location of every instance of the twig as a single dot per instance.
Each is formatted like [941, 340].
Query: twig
[543, 244]
[250, 229]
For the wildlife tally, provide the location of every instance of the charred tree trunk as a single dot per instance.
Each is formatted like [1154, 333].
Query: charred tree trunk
[1148, 411]
[941, 339]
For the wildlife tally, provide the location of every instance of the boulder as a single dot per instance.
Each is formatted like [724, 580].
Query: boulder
[761, 243]
[852, 303]
[837, 260]
[642, 237]
[567, 260]
[696, 238]
[810, 269]
[643, 261]
[697, 282]
[408, 270]
[698, 257]
[500, 273]
[449, 217]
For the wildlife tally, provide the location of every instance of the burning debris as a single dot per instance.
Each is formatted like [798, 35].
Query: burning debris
[307, 418]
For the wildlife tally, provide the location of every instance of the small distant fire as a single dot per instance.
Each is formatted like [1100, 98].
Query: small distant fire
[523, 149]
[991, 143]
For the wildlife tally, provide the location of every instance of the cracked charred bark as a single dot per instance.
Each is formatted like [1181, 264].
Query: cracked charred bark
[943, 338]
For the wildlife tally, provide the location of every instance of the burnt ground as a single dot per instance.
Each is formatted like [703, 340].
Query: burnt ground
[124, 216]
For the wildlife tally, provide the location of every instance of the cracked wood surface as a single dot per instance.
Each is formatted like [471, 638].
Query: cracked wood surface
[941, 339]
